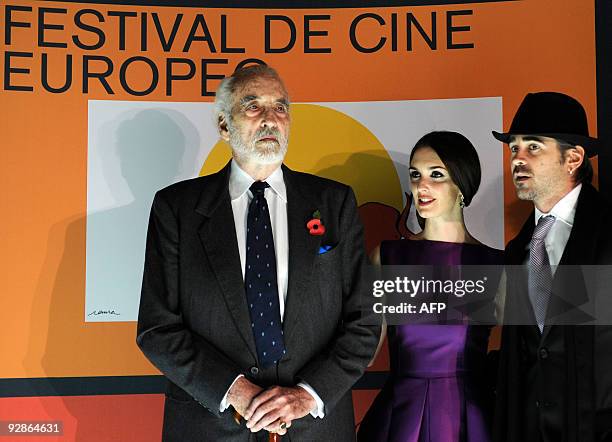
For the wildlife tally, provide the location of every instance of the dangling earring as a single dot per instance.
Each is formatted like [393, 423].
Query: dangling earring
[461, 201]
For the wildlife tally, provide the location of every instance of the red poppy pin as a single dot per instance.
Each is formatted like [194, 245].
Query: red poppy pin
[315, 226]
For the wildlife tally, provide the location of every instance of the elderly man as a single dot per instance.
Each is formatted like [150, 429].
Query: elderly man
[252, 293]
[555, 380]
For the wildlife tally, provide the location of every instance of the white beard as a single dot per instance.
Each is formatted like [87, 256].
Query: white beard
[261, 153]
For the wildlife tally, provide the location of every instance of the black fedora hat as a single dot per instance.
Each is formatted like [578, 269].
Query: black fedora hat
[553, 115]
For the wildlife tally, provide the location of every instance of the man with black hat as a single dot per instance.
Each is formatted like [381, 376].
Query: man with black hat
[555, 377]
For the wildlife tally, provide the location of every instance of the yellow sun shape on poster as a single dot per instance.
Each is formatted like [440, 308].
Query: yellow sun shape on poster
[329, 143]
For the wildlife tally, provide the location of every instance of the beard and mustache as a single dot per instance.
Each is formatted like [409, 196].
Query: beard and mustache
[524, 191]
[261, 152]
[521, 169]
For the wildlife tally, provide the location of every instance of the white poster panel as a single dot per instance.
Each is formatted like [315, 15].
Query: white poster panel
[136, 148]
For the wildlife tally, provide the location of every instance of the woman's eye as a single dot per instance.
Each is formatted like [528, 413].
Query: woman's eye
[415, 175]
[436, 174]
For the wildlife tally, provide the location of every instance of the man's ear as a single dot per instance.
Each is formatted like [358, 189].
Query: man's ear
[223, 129]
[574, 157]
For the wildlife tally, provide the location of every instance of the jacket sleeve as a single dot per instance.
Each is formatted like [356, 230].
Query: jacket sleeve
[333, 372]
[184, 357]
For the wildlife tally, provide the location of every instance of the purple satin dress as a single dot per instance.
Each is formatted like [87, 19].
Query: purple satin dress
[437, 390]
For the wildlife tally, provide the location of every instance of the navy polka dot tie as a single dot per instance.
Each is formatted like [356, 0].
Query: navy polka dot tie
[260, 280]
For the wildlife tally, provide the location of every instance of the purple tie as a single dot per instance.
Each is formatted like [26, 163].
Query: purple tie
[540, 275]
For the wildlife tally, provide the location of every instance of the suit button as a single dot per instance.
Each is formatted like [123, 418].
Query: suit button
[254, 371]
[537, 404]
[543, 353]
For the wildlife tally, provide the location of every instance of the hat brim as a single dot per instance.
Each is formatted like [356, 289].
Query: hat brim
[590, 145]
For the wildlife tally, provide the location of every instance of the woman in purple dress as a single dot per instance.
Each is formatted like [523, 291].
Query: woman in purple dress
[437, 390]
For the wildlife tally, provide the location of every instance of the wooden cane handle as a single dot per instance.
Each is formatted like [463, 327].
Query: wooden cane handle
[272, 437]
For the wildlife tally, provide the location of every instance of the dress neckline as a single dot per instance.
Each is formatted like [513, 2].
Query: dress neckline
[447, 242]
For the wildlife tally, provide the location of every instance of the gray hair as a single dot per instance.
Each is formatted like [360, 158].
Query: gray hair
[224, 96]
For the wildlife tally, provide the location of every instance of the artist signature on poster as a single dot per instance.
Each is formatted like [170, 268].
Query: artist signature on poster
[104, 312]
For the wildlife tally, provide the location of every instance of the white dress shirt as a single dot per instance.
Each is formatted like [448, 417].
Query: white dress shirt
[276, 197]
[556, 239]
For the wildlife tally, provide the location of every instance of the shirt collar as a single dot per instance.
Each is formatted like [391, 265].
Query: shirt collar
[565, 209]
[240, 181]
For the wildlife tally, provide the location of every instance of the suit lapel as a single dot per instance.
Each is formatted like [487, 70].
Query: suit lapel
[516, 256]
[581, 244]
[218, 237]
[303, 248]
[580, 249]
[516, 253]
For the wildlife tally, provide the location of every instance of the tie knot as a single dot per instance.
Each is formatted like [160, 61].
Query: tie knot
[543, 226]
[258, 187]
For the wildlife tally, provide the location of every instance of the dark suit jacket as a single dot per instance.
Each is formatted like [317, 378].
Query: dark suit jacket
[558, 384]
[194, 325]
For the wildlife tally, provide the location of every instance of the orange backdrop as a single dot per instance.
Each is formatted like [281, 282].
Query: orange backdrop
[519, 46]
